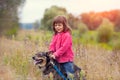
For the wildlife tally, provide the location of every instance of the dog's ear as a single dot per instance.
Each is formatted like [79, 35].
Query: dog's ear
[39, 54]
[44, 53]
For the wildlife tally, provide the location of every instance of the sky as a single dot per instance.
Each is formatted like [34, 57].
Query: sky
[33, 10]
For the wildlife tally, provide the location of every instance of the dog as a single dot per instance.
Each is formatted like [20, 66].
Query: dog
[45, 63]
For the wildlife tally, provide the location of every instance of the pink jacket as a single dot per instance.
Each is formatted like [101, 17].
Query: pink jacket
[61, 45]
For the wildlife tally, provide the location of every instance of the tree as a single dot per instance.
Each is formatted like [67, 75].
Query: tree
[92, 20]
[9, 16]
[73, 21]
[49, 14]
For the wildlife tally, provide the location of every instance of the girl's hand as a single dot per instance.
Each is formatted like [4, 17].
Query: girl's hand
[52, 56]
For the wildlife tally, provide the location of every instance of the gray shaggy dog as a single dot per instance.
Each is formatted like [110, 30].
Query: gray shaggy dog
[45, 63]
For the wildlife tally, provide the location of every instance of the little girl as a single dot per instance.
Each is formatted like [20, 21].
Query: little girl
[61, 45]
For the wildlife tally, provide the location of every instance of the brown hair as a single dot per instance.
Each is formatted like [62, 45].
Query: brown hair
[63, 20]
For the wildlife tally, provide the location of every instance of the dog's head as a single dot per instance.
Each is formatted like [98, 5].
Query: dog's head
[43, 61]
[40, 59]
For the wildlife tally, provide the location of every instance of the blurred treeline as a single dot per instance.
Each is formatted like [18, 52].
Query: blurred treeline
[9, 11]
[101, 28]
[88, 28]
[92, 19]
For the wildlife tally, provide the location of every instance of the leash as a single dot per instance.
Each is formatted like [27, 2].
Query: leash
[58, 71]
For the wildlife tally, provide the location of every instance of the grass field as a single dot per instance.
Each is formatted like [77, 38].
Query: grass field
[16, 58]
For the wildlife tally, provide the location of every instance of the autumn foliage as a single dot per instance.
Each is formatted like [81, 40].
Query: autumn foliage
[93, 20]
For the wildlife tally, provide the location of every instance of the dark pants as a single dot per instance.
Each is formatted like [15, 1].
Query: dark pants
[69, 69]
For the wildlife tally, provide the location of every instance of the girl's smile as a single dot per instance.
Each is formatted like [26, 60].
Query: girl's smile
[59, 27]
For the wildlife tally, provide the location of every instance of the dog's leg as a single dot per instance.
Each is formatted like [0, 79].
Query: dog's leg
[45, 77]
[77, 75]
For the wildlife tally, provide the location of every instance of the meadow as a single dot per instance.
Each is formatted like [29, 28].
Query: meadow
[97, 61]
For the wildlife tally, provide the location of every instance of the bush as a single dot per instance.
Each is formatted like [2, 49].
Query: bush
[82, 28]
[116, 45]
[115, 42]
[105, 31]
[11, 32]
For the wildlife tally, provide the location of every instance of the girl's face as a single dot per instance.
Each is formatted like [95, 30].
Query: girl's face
[58, 27]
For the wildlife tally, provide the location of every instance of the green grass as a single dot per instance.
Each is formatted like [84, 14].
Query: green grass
[19, 62]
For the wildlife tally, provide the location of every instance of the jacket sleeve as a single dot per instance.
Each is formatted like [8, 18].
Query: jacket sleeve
[66, 44]
[52, 44]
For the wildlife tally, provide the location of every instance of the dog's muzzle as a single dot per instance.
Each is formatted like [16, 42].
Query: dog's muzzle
[39, 61]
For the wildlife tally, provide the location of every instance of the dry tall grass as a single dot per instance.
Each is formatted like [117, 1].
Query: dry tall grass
[16, 62]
